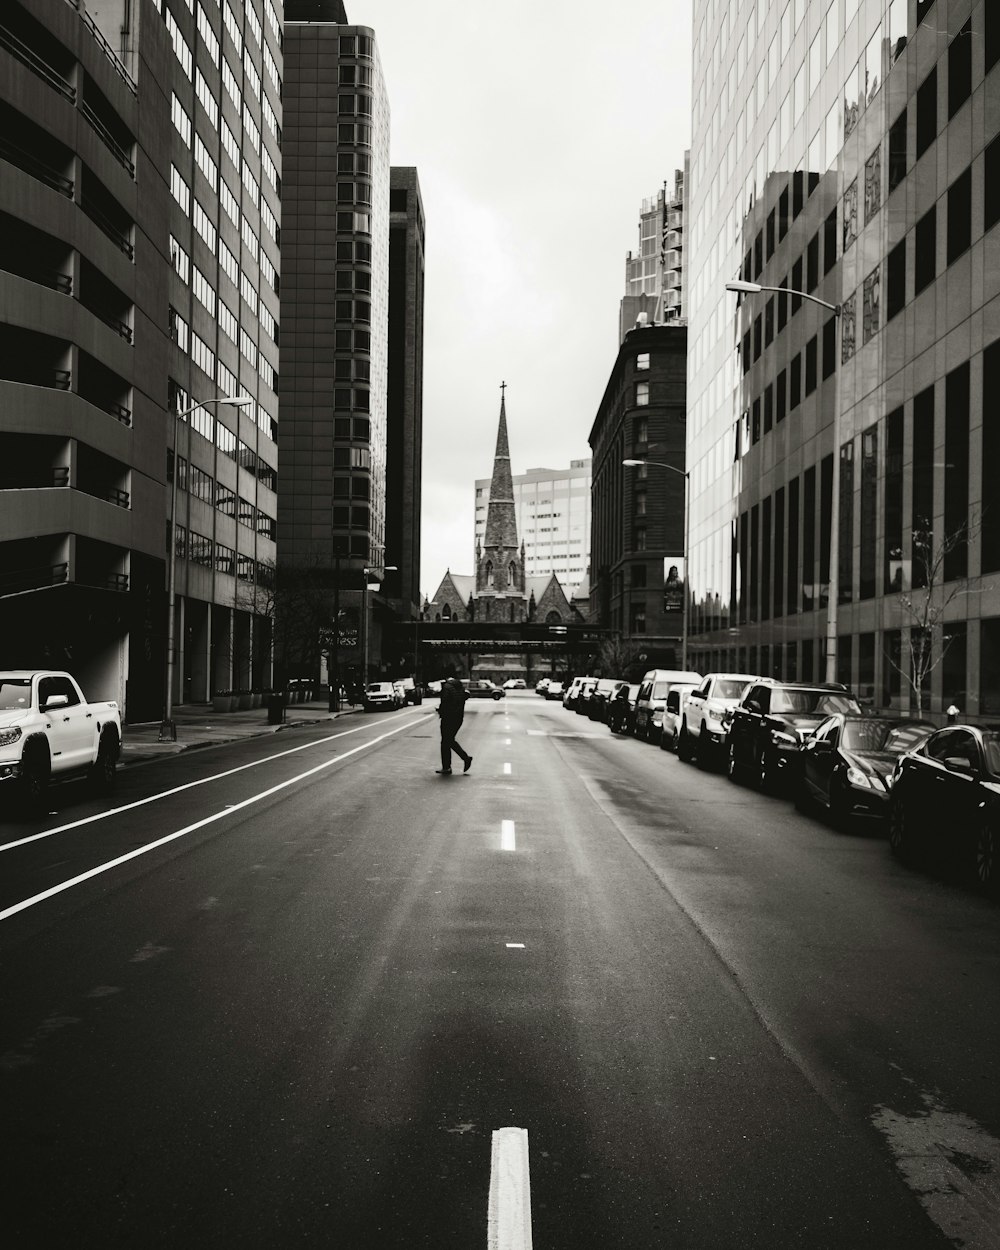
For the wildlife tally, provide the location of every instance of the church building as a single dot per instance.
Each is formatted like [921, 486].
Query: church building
[500, 592]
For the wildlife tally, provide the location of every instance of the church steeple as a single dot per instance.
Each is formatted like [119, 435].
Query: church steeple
[500, 565]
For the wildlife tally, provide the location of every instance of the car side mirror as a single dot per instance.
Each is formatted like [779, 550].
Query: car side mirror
[54, 701]
[958, 764]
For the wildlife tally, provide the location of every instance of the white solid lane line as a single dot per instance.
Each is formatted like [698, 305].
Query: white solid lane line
[190, 785]
[507, 842]
[180, 833]
[508, 1221]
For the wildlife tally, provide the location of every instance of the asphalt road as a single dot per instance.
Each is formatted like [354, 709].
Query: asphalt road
[286, 992]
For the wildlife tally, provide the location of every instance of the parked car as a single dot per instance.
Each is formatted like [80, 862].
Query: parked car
[587, 687]
[483, 688]
[652, 697]
[945, 802]
[673, 710]
[771, 722]
[572, 692]
[846, 766]
[412, 693]
[703, 716]
[50, 733]
[515, 683]
[604, 691]
[542, 685]
[380, 696]
[621, 710]
[554, 690]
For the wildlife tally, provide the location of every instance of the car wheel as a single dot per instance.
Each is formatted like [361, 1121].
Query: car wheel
[35, 771]
[900, 832]
[705, 752]
[665, 740]
[987, 855]
[684, 751]
[732, 764]
[105, 771]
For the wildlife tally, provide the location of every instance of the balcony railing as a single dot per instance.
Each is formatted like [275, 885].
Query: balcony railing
[108, 139]
[118, 411]
[20, 581]
[105, 224]
[36, 168]
[109, 319]
[105, 47]
[21, 52]
[117, 496]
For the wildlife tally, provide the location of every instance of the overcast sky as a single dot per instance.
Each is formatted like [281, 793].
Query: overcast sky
[537, 128]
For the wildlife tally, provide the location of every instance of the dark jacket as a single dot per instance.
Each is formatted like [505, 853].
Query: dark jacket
[452, 706]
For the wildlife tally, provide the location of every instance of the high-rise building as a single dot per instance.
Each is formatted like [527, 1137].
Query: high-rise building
[654, 276]
[847, 151]
[637, 540]
[335, 305]
[404, 433]
[552, 509]
[139, 197]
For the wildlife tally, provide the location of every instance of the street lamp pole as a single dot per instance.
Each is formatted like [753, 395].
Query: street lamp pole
[833, 591]
[168, 730]
[660, 464]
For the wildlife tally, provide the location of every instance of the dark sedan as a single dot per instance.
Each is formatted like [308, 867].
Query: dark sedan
[772, 721]
[846, 766]
[945, 802]
[600, 700]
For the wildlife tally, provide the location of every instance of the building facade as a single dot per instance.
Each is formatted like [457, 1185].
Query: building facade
[110, 195]
[335, 345]
[847, 151]
[654, 276]
[552, 511]
[637, 536]
[405, 391]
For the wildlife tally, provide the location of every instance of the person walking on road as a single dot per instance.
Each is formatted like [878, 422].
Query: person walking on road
[451, 709]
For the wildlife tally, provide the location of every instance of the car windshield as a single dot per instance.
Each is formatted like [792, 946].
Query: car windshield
[811, 702]
[991, 746]
[606, 685]
[729, 688]
[14, 692]
[883, 735]
[379, 685]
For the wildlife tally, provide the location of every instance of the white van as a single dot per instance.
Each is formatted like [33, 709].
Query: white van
[652, 697]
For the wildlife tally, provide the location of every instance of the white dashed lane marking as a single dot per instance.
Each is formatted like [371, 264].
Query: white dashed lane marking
[506, 770]
[509, 1216]
[507, 840]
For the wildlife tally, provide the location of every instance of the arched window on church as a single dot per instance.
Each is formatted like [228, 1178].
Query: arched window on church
[511, 570]
[489, 575]
[446, 613]
[553, 618]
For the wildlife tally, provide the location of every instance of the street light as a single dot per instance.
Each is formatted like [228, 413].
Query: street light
[661, 464]
[168, 730]
[833, 592]
[379, 573]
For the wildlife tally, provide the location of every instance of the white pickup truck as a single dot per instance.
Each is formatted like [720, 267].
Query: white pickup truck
[49, 732]
[703, 727]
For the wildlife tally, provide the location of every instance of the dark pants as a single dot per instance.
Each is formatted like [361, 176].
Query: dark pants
[448, 744]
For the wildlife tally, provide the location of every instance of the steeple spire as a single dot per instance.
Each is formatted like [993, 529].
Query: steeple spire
[501, 517]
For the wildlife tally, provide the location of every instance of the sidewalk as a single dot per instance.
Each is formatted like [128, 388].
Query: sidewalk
[199, 726]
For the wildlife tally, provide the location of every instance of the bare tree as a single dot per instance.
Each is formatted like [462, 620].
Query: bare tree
[617, 656]
[925, 605]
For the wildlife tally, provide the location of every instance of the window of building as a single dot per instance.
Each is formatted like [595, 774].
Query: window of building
[990, 463]
[960, 215]
[769, 322]
[895, 280]
[925, 250]
[829, 347]
[781, 396]
[870, 305]
[927, 108]
[642, 360]
[796, 286]
[830, 242]
[922, 479]
[960, 69]
[811, 353]
[795, 383]
[637, 618]
[873, 184]
[991, 184]
[812, 264]
[956, 477]
[768, 407]
[897, 151]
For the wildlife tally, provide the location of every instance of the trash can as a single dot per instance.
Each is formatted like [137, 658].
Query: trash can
[275, 709]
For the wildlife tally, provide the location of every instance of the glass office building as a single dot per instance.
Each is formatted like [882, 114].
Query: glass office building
[846, 150]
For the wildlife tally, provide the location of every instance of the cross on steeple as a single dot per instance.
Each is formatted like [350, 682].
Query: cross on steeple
[503, 388]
